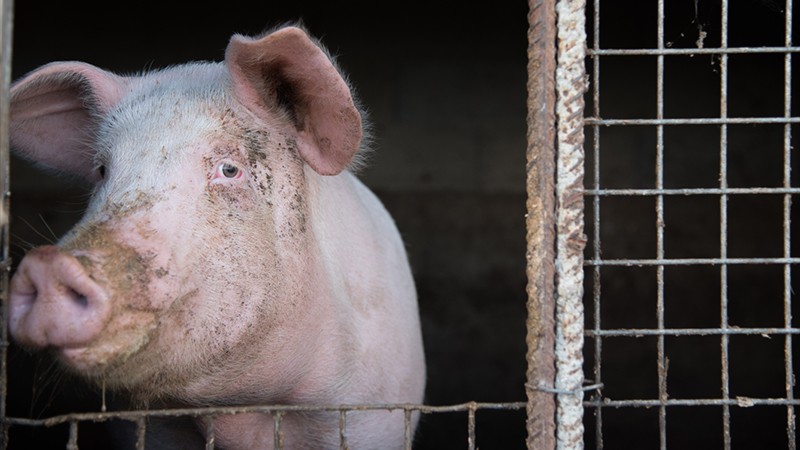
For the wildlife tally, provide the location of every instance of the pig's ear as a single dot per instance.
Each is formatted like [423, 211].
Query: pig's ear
[54, 112]
[286, 70]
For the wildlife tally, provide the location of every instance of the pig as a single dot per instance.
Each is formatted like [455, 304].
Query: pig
[228, 254]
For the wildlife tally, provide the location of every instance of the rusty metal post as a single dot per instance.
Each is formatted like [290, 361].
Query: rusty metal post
[555, 239]
[6, 13]
[540, 223]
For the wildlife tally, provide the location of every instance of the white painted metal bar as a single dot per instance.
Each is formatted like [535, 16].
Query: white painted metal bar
[570, 239]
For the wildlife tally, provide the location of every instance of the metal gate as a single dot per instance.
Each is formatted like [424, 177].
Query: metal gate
[641, 333]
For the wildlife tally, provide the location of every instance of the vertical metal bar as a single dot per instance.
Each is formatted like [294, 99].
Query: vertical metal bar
[596, 281]
[570, 240]
[6, 23]
[723, 228]
[72, 443]
[407, 424]
[791, 420]
[209, 432]
[141, 430]
[471, 426]
[342, 428]
[663, 363]
[278, 434]
[540, 224]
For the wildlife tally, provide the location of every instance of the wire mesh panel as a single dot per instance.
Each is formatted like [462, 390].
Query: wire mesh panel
[691, 263]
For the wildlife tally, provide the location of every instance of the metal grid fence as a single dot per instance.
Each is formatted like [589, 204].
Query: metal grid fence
[555, 246]
[673, 402]
[555, 173]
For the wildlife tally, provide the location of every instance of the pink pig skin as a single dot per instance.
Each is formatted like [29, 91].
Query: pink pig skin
[227, 256]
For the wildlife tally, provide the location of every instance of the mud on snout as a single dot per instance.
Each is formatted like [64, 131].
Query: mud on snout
[88, 299]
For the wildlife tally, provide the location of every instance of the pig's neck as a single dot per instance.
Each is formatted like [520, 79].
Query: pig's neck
[312, 367]
[295, 363]
[257, 431]
[317, 384]
[305, 349]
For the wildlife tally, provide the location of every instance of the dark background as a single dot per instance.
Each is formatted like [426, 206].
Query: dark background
[445, 86]
[444, 83]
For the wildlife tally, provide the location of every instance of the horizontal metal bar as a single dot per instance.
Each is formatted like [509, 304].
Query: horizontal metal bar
[744, 402]
[690, 332]
[688, 262]
[591, 387]
[691, 191]
[689, 51]
[267, 409]
[693, 121]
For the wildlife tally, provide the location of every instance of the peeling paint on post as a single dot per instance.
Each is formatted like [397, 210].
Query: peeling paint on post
[570, 239]
[540, 224]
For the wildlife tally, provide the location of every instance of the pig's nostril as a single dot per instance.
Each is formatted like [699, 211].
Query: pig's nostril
[78, 298]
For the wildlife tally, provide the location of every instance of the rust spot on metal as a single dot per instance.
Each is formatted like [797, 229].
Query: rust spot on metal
[540, 223]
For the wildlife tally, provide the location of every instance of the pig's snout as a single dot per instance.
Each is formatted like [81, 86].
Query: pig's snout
[54, 301]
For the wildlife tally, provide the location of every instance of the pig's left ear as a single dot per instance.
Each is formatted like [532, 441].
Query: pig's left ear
[286, 70]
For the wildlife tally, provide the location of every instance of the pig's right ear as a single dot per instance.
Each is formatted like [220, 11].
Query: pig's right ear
[286, 70]
[54, 115]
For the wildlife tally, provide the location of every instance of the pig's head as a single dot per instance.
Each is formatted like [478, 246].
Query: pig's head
[195, 239]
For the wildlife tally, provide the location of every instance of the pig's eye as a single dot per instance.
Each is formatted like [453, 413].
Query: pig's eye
[228, 170]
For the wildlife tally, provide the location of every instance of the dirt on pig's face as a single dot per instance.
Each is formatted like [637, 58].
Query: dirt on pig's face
[182, 232]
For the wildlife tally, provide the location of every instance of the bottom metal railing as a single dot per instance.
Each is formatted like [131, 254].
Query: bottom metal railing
[208, 415]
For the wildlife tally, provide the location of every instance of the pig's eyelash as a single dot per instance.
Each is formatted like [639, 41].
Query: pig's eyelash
[100, 167]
